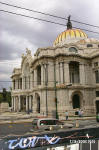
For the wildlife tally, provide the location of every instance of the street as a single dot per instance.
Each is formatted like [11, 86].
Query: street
[21, 129]
[18, 133]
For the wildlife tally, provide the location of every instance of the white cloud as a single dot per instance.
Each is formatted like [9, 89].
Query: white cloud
[17, 32]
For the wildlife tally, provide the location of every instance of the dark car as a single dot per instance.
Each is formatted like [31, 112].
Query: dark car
[49, 124]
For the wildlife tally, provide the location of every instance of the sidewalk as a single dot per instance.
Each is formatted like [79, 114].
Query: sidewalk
[15, 117]
[18, 117]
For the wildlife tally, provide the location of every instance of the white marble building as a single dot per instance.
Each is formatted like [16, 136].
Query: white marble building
[59, 78]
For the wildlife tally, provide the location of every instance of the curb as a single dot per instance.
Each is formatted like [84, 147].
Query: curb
[16, 122]
[28, 120]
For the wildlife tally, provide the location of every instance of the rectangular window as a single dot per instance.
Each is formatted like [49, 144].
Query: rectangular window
[74, 72]
[97, 93]
[97, 76]
[14, 84]
[72, 81]
[39, 75]
[89, 45]
[32, 78]
[20, 83]
[29, 82]
[46, 74]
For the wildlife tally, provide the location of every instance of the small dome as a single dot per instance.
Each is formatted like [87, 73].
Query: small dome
[69, 36]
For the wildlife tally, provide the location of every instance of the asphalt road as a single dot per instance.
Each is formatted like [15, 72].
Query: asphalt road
[21, 129]
[88, 129]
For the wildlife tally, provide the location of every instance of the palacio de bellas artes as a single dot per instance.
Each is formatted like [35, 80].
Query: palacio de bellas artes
[62, 77]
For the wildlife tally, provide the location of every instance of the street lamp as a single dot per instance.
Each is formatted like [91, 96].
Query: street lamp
[28, 104]
[55, 91]
[46, 101]
[46, 83]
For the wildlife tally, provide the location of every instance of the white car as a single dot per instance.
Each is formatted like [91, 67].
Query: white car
[49, 124]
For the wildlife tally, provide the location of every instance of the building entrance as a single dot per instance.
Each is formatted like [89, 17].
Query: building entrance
[38, 104]
[23, 103]
[97, 106]
[76, 101]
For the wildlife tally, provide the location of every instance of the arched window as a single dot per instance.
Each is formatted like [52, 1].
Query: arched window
[73, 49]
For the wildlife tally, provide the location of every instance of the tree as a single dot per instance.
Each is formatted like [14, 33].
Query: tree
[8, 97]
[1, 97]
[4, 93]
[5, 96]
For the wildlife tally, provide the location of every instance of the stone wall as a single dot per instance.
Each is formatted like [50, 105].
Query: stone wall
[4, 107]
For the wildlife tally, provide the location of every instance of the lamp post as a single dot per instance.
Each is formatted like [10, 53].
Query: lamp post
[28, 104]
[46, 101]
[46, 83]
[55, 91]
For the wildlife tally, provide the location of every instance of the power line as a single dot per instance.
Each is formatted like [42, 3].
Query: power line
[47, 14]
[32, 17]
[46, 20]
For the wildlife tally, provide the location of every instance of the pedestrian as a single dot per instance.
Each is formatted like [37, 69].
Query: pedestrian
[82, 113]
[79, 113]
[66, 113]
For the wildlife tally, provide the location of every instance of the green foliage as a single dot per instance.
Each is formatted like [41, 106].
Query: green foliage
[1, 97]
[5, 96]
[8, 98]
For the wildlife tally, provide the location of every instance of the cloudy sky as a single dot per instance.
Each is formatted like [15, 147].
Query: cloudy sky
[18, 33]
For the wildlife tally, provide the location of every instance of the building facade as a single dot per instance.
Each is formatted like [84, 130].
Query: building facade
[59, 78]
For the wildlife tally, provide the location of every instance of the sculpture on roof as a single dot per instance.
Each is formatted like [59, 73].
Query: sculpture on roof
[69, 24]
[28, 51]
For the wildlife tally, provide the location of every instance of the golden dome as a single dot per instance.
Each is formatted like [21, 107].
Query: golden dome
[69, 35]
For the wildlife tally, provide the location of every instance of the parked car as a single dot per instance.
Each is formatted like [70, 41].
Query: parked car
[49, 124]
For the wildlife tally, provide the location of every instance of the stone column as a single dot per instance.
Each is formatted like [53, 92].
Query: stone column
[57, 73]
[16, 84]
[30, 102]
[28, 82]
[66, 73]
[46, 74]
[12, 84]
[22, 82]
[14, 103]
[61, 72]
[27, 103]
[93, 77]
[31, 80]
[50, 73]
[82, 73]
[19, 97]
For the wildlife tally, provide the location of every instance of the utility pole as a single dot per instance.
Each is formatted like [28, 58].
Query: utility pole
[55, 90]
[46, 82]
[28, 104]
